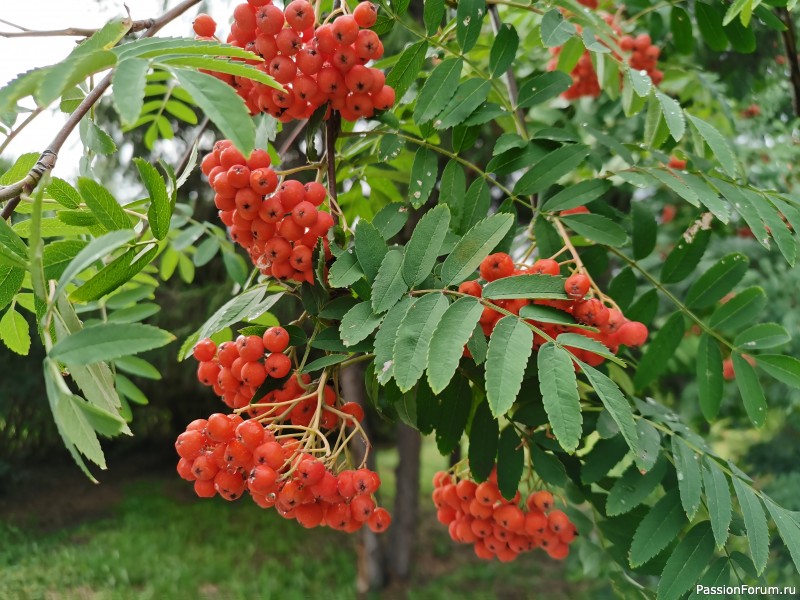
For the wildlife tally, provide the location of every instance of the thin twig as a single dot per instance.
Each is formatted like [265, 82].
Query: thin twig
[14, 25]
[70, 31]
[48, 158]
[14, 132]
[287, 143]
[190, 147]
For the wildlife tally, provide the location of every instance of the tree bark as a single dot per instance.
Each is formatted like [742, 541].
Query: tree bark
[403, 532]
[371, 576]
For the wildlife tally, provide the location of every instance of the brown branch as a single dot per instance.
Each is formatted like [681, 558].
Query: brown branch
[287, 143]
[790, 41]
[71, 31]
[48, 158]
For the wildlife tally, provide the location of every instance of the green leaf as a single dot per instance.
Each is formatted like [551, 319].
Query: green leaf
[160, 211]
[128, 83]
[743, 308]
[673, 115]
[547, 314]
[455, 404]
[432, 14]
[782, 368]
[687, 562]
[483, 442]
[645, 230]
[63, 193]
[94, 251]
[95, 139]
[20, 168]
[718, 499]
[476, 245]
[424, 245]
[220, 65]
[468, 97]
[452, 189]
[389, 284]
[57, 256]
[71, 421]
[448, 341]
[386, 337]
[761, 336]
[649, 445]
[325, 361]
[719, 145]
[749, 387]
[407, 68]
[477, 345]
[510, 346]
[576, 340]
[424, 172]
[476, 205]
[658, 528]
[605, 454]
[504, 49]
[345, 271]
[718, 575]
[755, 522]
[510, 462]
[717, 281]
[119, 271]
[370, 248]
[359, 323]
[687, 469]
[660, 350]
[438, 89]
[576, 195]
[469, 18]
[555, 29]
[414, 337]
[15, 332]
[684, 257]
[222, 105]
[246, 306]
[681, 28]
[103, 205]
[616, 404]
[526, 286]
[633, 488]
[108, 341]
[789, 531]
[709, 376]
[709, 21]
[390, 219]
[548, 170]
[596, 228]
[543, 87]
[559, 387]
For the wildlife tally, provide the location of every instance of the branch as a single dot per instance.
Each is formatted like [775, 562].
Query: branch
[48, 158]
[72, 31]
[790, 41]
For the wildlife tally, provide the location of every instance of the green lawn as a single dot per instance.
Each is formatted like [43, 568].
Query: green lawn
[160, 542]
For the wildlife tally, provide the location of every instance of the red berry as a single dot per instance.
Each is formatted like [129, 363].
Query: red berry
[278, 365]
[365, 14]
[205, 350]
[496, 266]
[276, 339]
[204, 25]
[577, 285]
[345, 29]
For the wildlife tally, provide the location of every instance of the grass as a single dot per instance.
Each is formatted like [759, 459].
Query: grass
[161, 542]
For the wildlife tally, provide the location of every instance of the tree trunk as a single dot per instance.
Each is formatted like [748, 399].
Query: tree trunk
[403, 532]
[371, 575]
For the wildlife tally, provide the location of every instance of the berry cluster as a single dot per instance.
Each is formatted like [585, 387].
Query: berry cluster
[613, 329]
[278, 224]
[228, 455]
[498, 528]
[235, 370]
[315, 64]
[640, 54]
